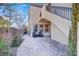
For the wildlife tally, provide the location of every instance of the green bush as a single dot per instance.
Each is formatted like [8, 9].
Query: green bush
[4, 50]
[71, 49]
[16, 42]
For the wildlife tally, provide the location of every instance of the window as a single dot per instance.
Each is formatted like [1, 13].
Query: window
[40, 14]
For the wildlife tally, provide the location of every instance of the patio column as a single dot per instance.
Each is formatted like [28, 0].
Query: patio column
[31, 30]
[78, 39]
[44, 28]
[38, 27]
[78, 33]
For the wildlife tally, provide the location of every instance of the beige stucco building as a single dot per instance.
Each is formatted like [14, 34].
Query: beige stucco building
[54, 20]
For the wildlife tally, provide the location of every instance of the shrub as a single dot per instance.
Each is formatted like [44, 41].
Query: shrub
[4, 50]
[71, 49]
[16, 42]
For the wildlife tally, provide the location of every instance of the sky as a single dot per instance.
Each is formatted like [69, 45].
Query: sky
[22, 7]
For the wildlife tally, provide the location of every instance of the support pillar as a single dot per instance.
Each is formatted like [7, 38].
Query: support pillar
[78, 39]
[32, 29]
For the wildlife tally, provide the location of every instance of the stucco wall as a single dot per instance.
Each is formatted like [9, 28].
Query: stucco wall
[34, 13]
[9, 36]
[59, 28]
[58, 35]
[60, 22]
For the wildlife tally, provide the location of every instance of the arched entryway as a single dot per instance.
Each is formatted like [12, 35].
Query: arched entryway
[42, 28]
[45, 26]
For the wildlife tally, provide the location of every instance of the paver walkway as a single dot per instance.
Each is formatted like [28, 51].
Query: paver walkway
[41, 46]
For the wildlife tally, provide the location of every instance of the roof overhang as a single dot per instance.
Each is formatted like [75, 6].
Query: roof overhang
[37, 4]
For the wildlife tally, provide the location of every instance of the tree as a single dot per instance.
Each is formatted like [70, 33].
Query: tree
[73, 31]
[13, 15]
[3, 23]
[19, 19]
[9, 12]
